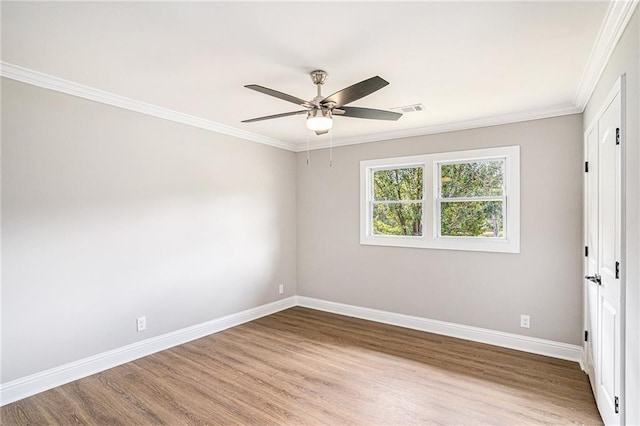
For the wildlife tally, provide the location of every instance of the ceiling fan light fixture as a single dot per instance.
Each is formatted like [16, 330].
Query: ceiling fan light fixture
[320, 109]
[319, 120]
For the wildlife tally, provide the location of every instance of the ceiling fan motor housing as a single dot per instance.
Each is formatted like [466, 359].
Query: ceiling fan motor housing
[318, 76]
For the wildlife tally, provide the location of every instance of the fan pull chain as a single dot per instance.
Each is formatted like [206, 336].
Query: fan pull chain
[308, 133]
[330, 148]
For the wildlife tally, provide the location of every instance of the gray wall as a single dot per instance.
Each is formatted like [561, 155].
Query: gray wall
[488, 290]
[108, 215]
[626, 60]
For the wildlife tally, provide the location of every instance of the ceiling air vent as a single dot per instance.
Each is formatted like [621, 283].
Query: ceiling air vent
[409, 108]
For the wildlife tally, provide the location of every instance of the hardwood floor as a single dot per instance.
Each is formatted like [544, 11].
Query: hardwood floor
[305, 367]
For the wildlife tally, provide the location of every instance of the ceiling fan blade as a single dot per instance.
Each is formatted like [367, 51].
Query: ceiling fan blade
[374, 114]
[269, 117]
[321, 132]
[277, 94]
[355, 92]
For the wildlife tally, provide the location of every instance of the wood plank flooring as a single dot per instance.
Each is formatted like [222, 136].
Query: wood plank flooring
[306, 367]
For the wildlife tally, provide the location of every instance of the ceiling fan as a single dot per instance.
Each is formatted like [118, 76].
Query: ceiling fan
[320, 110]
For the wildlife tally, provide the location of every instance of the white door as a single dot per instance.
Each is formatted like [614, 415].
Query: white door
[592, 249]
[603, 294]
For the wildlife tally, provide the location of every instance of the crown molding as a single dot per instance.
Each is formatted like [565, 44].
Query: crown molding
[35, 78]
[495, 120]
[615, 22]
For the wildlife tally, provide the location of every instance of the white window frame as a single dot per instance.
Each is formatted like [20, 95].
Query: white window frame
[431, 238]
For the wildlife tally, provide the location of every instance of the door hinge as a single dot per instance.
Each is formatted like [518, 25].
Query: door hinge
[616, 401]
[586, 251]
[618, 270]
[586, 336]
[617, 136]
[586, 167]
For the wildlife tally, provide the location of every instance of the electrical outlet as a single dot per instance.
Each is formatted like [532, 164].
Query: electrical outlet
[141, 323]
[525, 321]
[281, 288]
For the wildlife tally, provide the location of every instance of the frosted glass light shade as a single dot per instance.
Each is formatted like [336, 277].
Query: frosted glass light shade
[319, 121]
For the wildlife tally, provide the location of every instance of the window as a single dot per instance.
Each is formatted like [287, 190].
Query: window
[465, 200]
[471, 199]
[397, 201]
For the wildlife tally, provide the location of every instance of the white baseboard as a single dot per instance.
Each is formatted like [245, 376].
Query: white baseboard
[476, 334]
[30, 385]
[45, 380]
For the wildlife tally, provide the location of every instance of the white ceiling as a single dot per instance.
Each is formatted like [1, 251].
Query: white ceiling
[462, 60]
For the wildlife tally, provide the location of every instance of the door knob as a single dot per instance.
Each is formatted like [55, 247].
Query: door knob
[594, 278]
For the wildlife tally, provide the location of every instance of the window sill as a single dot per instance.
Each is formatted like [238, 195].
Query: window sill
[494, 246]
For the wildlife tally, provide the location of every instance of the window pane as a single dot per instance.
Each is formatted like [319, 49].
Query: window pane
[471, 219]
[475, 179]
[397, 219]
[397, 184]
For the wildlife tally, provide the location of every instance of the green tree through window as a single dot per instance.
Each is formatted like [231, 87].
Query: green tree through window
[397, 201]
[472, 199]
